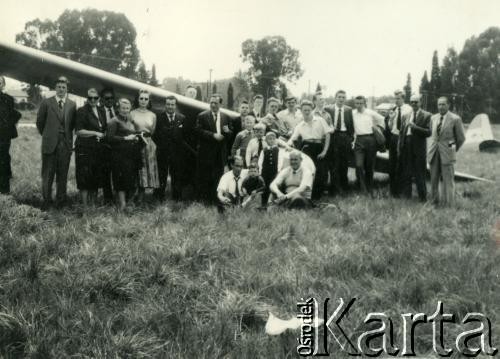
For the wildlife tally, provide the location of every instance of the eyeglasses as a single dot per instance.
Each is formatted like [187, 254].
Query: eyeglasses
[109, 98]
[144, 98]
[93, 98]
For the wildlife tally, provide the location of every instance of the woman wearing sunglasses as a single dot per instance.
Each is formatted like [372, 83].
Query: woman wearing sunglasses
[144, 122]
[89, 147]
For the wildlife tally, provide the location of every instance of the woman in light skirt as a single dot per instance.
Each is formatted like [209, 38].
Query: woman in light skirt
[144, 122]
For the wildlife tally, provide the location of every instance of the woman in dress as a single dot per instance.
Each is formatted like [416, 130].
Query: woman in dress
[144, 122]
[89, 147]
[125, 152]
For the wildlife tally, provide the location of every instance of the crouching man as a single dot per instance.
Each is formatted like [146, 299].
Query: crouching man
[293, 185]
[229, 190]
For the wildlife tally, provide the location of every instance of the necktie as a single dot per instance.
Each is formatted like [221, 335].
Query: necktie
[398, 124]
[110, 114]
[440, 124]
[260, 147]
[237, 190]
[339, 119]
[60, 104]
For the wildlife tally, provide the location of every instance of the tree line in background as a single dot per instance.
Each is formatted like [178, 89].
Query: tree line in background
[470, 78]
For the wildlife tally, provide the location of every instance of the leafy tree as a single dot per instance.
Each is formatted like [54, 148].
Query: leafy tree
[271, 60]
[199, 95]
[435, 83]
[424, 84]
[153, 81]
[34, 93]
[230, 96]
[407, 88]
[99, 38]
[142, 73]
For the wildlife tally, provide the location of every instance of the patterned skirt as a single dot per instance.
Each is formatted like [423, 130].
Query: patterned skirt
[148, 173]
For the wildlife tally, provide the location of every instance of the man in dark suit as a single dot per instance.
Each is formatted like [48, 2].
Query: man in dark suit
[258, 103]
[413, 149]
[213, 131]
[8, 120]
[173, 152]
[55, 122]
[108, 105]
[343, 135]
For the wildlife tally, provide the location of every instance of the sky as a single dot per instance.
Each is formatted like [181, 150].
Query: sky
[362, 46]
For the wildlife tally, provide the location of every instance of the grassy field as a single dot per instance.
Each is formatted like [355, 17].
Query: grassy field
[178, 281]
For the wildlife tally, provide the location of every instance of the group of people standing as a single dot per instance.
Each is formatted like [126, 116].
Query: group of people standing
[282, 157]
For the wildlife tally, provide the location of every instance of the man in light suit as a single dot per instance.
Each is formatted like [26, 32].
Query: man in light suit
[212, 127]
[412, 149]
[446, 139]
[55, 122]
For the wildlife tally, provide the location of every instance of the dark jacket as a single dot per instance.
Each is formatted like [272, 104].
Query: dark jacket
[87, 120]
[173, 137]
[420, 132]
[209, 149]
[50, 119]
[348, 120]
[8, 117]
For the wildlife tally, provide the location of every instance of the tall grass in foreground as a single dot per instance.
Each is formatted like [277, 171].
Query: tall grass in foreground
[179, 281]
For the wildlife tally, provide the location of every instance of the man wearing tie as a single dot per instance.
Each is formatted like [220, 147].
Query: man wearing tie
[213, 131]
[108, 106]
[343, 136]
[56, 122]
[413, 149]
[394, 124]
[172, 151]
[229, 190]
[446, 139]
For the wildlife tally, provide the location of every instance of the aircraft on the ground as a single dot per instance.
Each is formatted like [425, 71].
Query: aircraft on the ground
[479, 133]
[35, 66]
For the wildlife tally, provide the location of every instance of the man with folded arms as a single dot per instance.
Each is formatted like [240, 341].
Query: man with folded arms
[315, 135]
[292, 187]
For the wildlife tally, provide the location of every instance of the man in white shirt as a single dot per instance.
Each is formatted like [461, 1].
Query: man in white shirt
[256, 144]
[291, 115]
[397, 118]
[365, 146]
[293, 185]
[315, 135]
[258, 102]
[229, 190]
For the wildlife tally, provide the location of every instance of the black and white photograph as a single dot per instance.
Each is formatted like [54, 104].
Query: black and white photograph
[249, 179]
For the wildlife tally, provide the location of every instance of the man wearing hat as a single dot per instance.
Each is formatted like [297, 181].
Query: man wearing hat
[55, 122]
[412, 149]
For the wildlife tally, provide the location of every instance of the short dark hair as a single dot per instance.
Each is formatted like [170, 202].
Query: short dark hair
[444, 98]
[315, 96]
[216, 95]
[258, 96]
[171, 97]
[340, 91]
[360, 97]
[273, 99]
[399, 93]
[107, 90]
[290, 98]
[306, 103]
[62, 80]
[244, 102]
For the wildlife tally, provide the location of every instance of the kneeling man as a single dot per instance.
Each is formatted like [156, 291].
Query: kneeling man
[229, 190]
[293, 185]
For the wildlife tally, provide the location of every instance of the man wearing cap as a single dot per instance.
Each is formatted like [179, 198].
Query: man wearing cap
[343, 136]
[292, 187]
[395, 121]
[55, 122]
[315, 135]
[291, 115]
[446, 139]
[413, 149]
